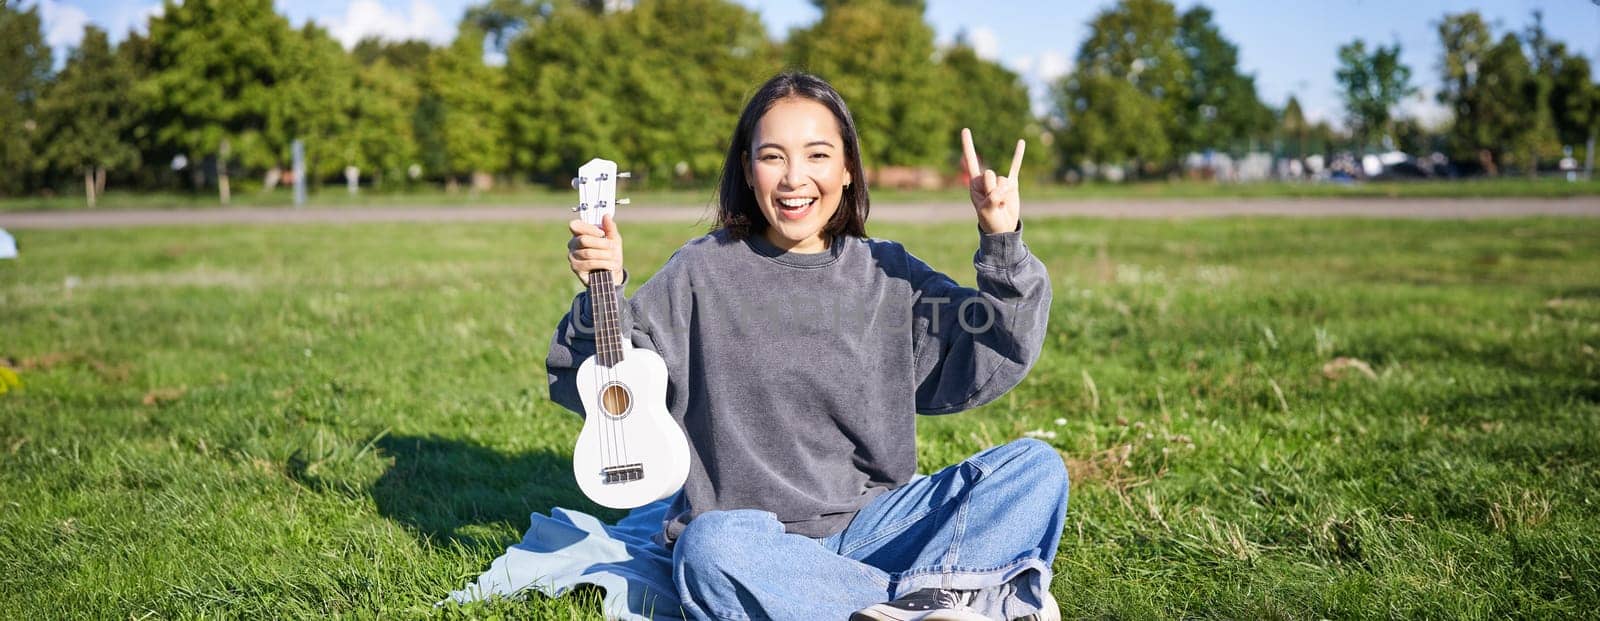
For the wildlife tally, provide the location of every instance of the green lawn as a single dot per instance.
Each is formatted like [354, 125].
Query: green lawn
[351, 420]
[336, 196]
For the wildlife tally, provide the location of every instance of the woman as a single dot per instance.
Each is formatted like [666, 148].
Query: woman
[799, 352]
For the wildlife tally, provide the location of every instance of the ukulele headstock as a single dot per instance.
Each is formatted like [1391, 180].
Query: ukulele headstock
[596, 184]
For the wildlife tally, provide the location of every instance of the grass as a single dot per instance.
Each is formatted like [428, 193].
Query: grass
[351, 420]
[336, 196]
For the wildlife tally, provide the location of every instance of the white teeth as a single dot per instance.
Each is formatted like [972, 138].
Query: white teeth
[796, 202]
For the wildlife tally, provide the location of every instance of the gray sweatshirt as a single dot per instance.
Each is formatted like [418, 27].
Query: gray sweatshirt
[797, 377]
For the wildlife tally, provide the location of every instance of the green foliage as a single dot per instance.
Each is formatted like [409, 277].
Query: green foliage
[471, 107]
[1223, 111]
[993, 102]
[215, 76]
[381, 120]
[1151, 85]
[1373, 83]
[1109, 122]
[23, 76]
[1515, 100]
[1137, 41]
[86, 111]
[1574, 99]
[653, 87]
[658, 85]
[876, 53]
[409, 56]
[319, 106]
[1466, 40]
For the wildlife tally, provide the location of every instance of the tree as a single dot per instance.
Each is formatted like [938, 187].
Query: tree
[988, 98]
[1572, 99]
[658, 88]
[1546, 56]
[1373, 84]
[382, 136]
[315, 103]
[23, 76]
[686, 115]
[1109, 121]
[216, 80]
[877, 54]
[410, 56]
[564, 110]
[1466, 40]
[1294, 126]
[1137, 42]
[85, 113]
[472, 107]
[1222, 109]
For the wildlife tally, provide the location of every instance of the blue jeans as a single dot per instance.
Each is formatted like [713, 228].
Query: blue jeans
[990, 523]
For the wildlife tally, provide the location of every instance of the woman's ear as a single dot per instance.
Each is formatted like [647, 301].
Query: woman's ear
[847, 178]
[744, 163]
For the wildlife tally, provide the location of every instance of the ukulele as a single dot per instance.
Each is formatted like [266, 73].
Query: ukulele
[630, 451]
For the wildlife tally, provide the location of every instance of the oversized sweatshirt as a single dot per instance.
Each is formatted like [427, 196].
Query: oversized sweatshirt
[797, 377]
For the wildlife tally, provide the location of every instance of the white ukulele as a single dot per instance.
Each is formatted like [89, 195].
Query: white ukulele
[630, 451]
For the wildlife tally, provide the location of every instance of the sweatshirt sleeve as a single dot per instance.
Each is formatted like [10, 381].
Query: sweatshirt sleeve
[646, 321]
[973, 345]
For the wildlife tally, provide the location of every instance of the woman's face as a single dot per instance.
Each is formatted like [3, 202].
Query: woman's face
[797, 171]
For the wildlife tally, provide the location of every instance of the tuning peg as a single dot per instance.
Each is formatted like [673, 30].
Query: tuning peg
[624, 201]
[577, 181]
[624, 175]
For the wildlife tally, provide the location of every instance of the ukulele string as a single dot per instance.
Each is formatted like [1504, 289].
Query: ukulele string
[596, 309]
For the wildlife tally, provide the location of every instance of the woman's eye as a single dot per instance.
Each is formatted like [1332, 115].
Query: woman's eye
[819, 156]
[767, 158]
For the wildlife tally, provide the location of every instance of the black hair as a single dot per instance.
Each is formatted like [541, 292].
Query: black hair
[737, 210]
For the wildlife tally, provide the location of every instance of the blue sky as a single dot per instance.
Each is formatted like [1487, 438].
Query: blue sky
[1288, 44]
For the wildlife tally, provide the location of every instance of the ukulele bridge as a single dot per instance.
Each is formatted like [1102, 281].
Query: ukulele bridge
[622, 474]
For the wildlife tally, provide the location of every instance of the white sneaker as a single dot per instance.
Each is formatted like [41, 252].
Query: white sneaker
[923, 605]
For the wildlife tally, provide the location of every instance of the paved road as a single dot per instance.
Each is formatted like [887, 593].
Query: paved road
[1365, 208]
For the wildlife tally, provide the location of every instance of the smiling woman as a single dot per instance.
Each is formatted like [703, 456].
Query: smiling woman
[803, 487]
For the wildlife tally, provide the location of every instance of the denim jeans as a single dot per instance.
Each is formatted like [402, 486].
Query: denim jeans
[990, 523]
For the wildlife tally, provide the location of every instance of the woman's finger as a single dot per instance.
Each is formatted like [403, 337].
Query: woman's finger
[589, 241]
[989, 182]
[579, 227]
[1016, 160]
[969, 155]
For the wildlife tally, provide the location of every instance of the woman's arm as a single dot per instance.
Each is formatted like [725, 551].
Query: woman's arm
[973, 345]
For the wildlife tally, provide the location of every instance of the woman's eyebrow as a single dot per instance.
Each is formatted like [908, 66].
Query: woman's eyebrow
[775, 145]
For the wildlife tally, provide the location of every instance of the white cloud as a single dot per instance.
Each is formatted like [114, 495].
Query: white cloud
[63, 25]
[985, 42]
[142, 17]
[369, 18]
[1023, 64]
[1052, 65]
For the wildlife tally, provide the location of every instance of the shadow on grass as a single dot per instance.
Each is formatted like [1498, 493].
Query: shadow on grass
[439, 488]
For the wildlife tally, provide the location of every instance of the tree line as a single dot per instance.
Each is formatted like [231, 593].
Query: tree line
[214, 90]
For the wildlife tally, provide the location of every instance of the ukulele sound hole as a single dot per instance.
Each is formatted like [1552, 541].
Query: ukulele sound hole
[615, 400]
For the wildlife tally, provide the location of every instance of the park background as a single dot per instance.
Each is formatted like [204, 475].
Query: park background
[1375, 397]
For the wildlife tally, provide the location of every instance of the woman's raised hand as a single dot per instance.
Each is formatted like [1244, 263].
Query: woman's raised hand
[995, 198]
[593, 249]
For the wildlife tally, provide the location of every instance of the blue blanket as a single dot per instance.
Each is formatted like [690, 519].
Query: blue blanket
[570, 548]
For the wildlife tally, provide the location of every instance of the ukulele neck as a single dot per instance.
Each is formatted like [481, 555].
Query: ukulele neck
[607, 318]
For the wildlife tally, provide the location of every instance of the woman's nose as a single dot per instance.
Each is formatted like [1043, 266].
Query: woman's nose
[793, 177]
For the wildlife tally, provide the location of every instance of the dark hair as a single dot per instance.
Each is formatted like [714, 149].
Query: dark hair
[737, 210]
